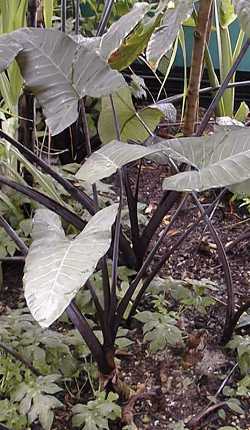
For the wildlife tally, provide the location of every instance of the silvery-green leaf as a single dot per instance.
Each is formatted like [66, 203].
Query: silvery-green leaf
[169, 111]
[118, 31]
[227, 122]
[59, 73]
[162, 39]
[223, 159]
[56, 267]
[109, 158]
[242, 9]
[171, 148]
[242, 188]
[8, 52]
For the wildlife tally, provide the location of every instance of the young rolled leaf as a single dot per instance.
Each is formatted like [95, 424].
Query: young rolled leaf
[164, 36]
[222, 159]
[59, 72]
[226, 13]
[56, 267]
[242, 9]
[109, 158]
[135, 43]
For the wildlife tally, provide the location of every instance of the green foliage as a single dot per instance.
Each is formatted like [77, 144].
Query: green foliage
[48, 7]
[96, 414]
[13, 16]
[243, 387]
[10, 373]
[242, 112]
[135, 43]
[226, 13]
[242, 346]
[160, 329]
[37, 399]
[192, 293]
[133, 125]
[49, 351]
[10, 417]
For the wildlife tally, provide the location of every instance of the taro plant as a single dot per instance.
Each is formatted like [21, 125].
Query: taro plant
[61, 71]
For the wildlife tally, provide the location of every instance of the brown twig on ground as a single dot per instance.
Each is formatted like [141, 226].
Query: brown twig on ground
[200, 38]
[230, 245]
[128, 409]
[196, 421]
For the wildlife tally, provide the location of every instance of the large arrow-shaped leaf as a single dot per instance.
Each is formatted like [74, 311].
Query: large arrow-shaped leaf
[222, 159]
[121, 28]
[56, 267]
[164, 36]
[109, 158]
[116, 34]
[8, 52]
[60, 72]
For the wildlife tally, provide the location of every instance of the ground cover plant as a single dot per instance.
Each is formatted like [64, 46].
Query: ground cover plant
[94, 269]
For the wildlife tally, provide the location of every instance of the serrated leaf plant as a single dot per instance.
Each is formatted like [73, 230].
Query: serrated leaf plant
[97, 413]
[10, 416]
[36, 399]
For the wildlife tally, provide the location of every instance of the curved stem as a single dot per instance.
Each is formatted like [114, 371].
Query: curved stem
[159, 266]
[237, 316]
[46, 201]
[167, 202]
[166, 256]
[105, 17]
[88, 144]
[226, 267]
[77, 17]
[133, 215]
[113, 299]
[82, 325]
[129, 293]
[63, 15]
[19, 357]
[13, 235]
[78, 195]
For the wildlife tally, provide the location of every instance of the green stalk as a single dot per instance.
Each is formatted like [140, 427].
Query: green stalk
[185, 82]
[238, 45]
[213, 79]
[227, 61]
